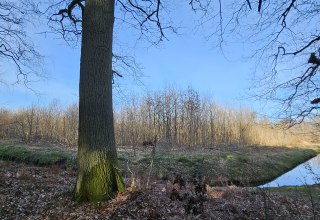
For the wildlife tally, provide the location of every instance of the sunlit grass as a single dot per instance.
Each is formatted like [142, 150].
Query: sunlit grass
[247, 166]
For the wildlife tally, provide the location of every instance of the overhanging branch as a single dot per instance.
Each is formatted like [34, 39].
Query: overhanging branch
[67, 12]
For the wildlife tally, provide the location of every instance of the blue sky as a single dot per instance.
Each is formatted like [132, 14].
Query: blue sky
[185, 60]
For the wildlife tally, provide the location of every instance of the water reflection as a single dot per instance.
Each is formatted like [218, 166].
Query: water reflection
[306, 173]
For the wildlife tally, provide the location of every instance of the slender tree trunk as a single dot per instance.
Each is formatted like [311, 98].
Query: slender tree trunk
[98, 173]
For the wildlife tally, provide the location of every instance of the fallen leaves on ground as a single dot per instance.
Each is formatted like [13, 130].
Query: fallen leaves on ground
[30, 192]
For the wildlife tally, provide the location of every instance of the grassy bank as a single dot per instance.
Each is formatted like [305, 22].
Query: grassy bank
[36, 156]
[241, 166]
[306, 192]
[221, 166]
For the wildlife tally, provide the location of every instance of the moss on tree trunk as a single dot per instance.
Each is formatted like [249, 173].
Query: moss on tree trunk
[100, 180]
[98, 174]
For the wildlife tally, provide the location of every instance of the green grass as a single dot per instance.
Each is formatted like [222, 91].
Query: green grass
[307, 192]
[247, 166]
[37, 157]
[251, 166]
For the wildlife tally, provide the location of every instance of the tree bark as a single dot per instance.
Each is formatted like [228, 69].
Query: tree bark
[98, 173]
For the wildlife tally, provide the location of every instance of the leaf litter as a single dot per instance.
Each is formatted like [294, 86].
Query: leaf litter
[33, 192]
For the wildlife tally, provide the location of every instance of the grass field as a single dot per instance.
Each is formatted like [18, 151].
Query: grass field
[244, 166]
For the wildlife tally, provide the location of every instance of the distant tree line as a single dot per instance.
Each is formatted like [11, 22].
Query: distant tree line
[176, 118]
[184, 119]
[52, 123]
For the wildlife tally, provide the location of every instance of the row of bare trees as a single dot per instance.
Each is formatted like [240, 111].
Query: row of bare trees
[183, 118]
[33, 124]
[176, 118]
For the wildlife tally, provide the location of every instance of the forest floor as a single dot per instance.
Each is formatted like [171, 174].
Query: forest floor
[33, 192]
[36, 182]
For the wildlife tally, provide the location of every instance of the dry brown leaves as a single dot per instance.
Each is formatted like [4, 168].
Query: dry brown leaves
[29, 192]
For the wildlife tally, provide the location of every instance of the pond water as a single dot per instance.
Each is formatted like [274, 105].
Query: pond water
[307, 173]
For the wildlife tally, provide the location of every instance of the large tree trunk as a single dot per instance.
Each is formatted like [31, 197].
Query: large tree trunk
[98, 173]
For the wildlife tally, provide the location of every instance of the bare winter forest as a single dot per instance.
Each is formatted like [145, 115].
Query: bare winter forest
[93, 160]
[175, 118]
[179, 184]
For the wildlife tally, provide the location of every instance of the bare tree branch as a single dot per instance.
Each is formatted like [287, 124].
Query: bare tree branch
[147, 18]
[286, 38]
[259, 6]
[16, 47]
[248, 1]
[64, 17]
